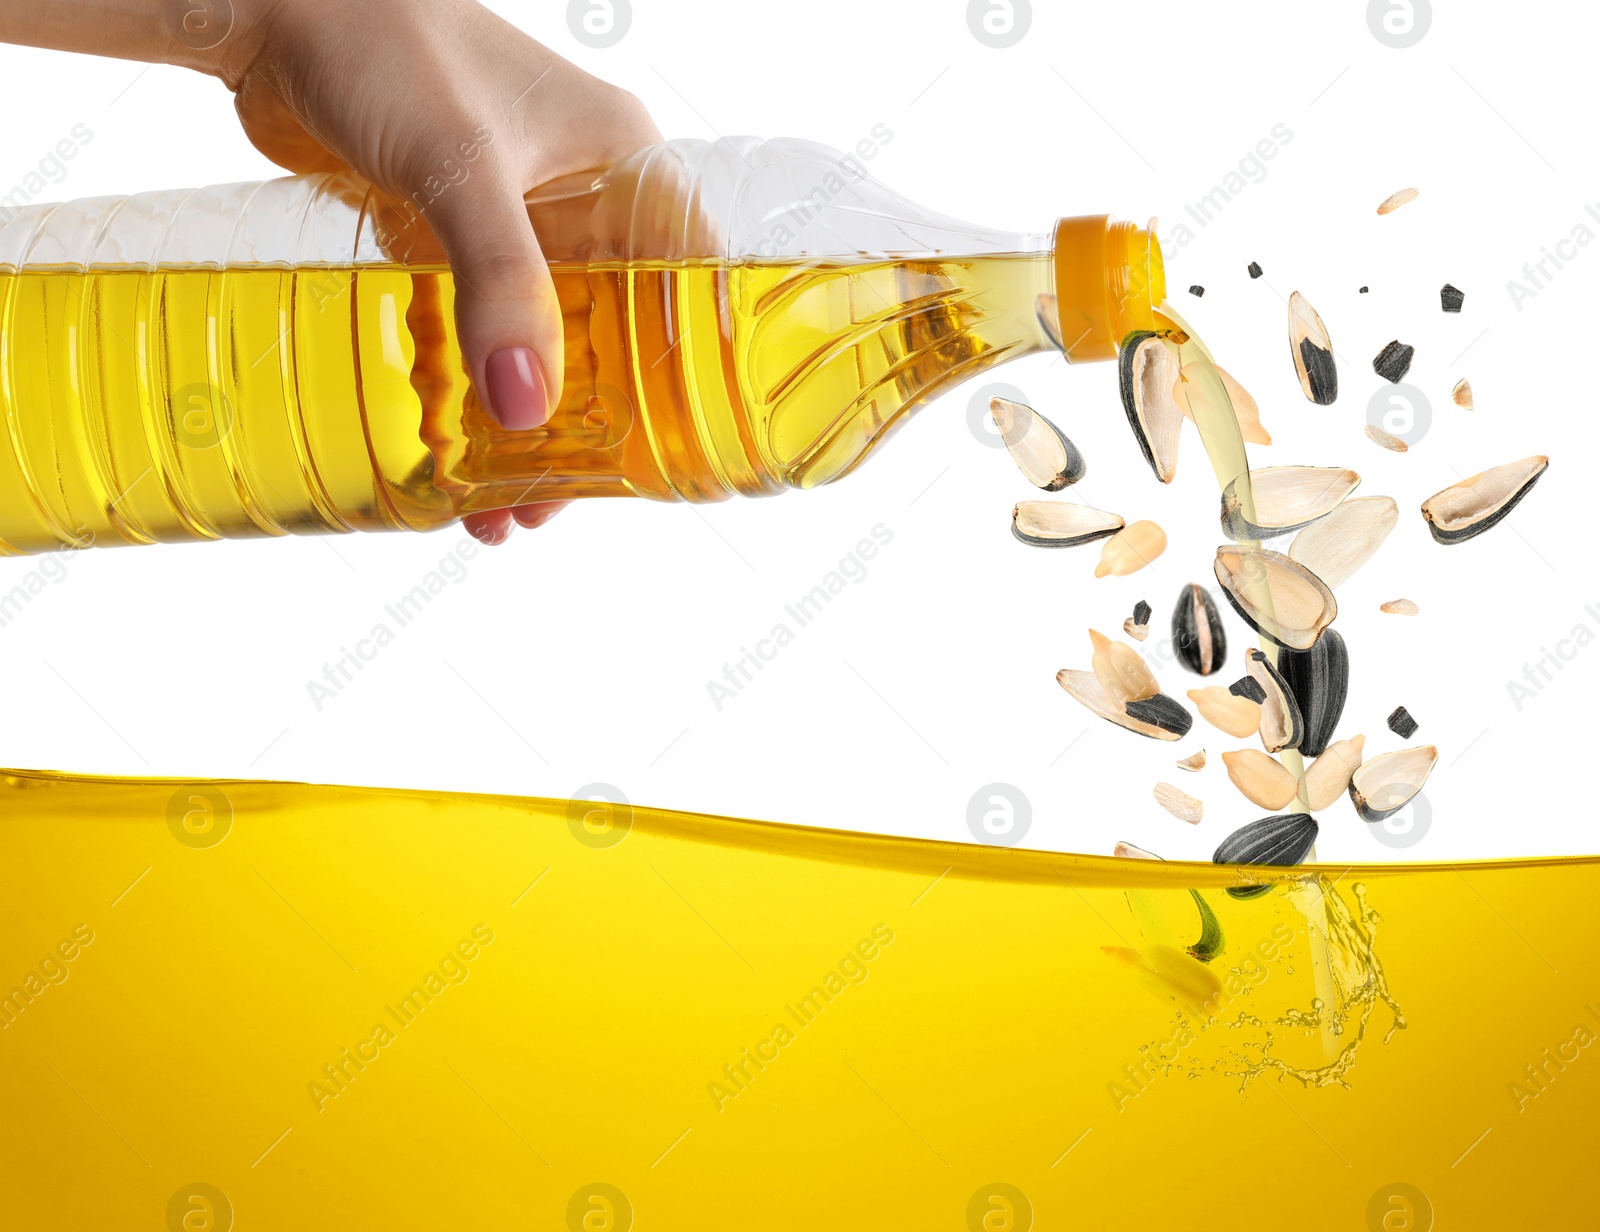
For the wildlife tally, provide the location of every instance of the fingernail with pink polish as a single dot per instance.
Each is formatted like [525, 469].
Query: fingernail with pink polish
[516, 389]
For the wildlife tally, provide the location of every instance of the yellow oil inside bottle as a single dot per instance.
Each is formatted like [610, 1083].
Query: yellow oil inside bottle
[327, 1008]
[170, 404]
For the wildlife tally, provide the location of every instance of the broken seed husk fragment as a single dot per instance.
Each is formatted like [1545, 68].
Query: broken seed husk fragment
[1282, 726]
[1277, 841]
[1042, 452]
[1394, 361]
[1147, 370]
[1244, 406]
[1127, 851]
[1137, 632]
[1247, 686]
[1402, 724]
[1399, 607]
[1083, 687]
[1061, 524]
[1253, 270]
[1044, 306]
[1197, 290]
[1197, 633]
[1286, 498]
[1342, 542]
[1363, 291]
[1461, 395]
[1329, 776]
[1385, 785]
[1301, 605]
[1451, 298]
[1313, 352]
[1467, 509]
[1180, 804]
[1396, 200]
[1163, 713]
[1264, 781]
[1318, 679]
[1141, 613]
[1131, 549]
[1194, 763]
[1123, 675]
[1382, 439]
[1238, 716]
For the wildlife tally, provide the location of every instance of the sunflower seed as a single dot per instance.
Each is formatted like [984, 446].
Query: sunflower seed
[1044, 307]
[1061, 524]
[1238, 716]
[1466, 509]
[1124, 677]
[1083, 686]
[1394, 361]
[1301, 605]
[1244, 406]
[1127, 851]
[1342, 542]
[1286, 498]
[1385, 785]
[1379, 437]
[1276, 841]
[1197, 290]
[1399, 607]
[1147, 369]
[1312, 351]
[1451, 298]
[1264, 781]
[1282, 726]
[1131, 549]
[1042, 452]
[1194, 763]
[1163, 713]
[1318, 679]
[1461, 395]
[1402, 724]
[1180, 804]
[1253, 269]
[1246, 686]
[1329, 776]
[1197, 633]
[1395, 201]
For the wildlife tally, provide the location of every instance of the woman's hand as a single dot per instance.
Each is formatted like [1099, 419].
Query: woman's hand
[393, 89]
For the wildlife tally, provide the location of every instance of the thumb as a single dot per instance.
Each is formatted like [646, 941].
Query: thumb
[507, 314]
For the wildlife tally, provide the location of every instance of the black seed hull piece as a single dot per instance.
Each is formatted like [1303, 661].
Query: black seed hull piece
[1319, 678]
[1163, 712]
[1402, 724]
[1197, 290]
[1141, 613]
[1249, 687]
[1363, 291]
[1488, 523]
[1195, 605]
[1293, 721]
[1451, 298]
[1394, 361]
[1255, 270]
[1277, 841]
[1321, 374]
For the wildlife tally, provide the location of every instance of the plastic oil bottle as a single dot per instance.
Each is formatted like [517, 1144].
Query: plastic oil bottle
[740, 317]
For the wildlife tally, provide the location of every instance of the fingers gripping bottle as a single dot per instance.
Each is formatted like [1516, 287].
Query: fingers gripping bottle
[740, 317]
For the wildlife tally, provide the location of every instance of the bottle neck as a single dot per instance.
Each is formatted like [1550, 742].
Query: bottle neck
[1109, 280]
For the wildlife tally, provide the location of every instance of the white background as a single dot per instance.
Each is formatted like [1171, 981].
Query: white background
[582, 652]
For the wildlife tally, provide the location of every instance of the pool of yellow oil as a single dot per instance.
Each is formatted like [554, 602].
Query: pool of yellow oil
[331, 1008]
[172, 404]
